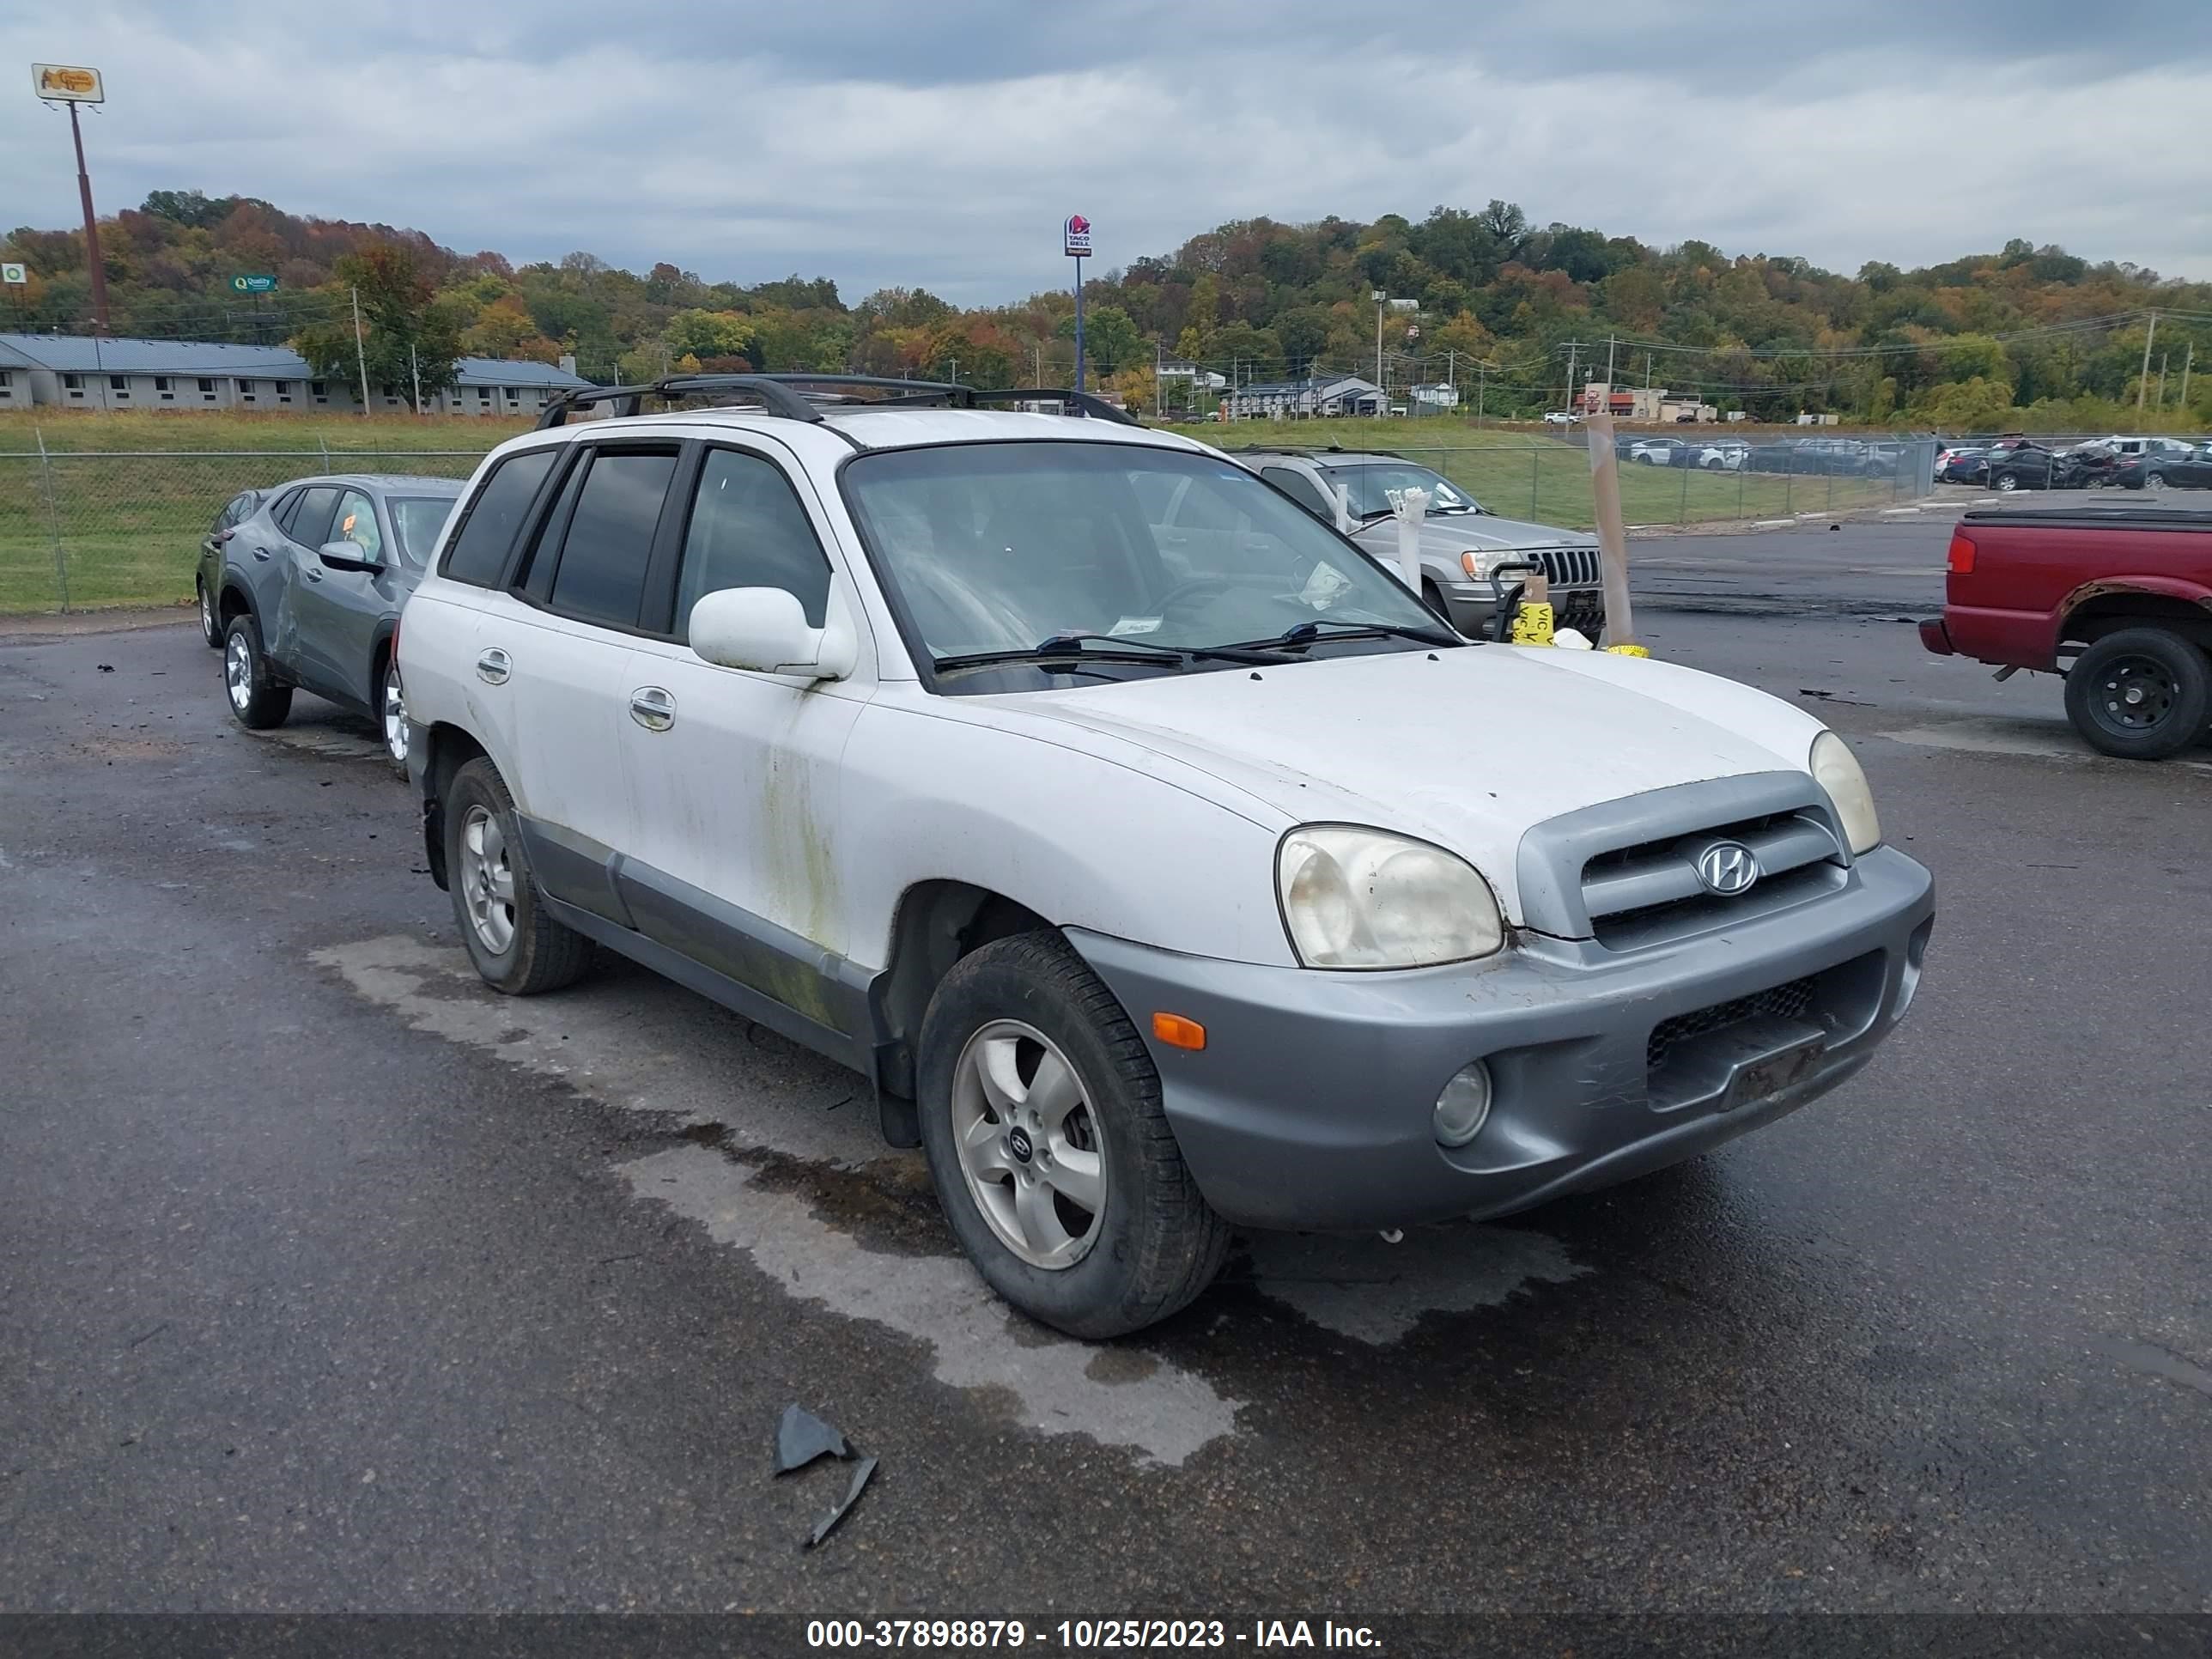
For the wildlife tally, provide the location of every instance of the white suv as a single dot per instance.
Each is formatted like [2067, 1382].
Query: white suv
[1159, 885]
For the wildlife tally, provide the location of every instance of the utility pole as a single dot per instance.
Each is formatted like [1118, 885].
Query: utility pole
[2162, 357]
[1481, 381]
[1647, 371]
[1608, 365]
[2187, 362]
[2142, 380]
[360, 351]
[415, 374]
[1382, 397]
[1572, 347]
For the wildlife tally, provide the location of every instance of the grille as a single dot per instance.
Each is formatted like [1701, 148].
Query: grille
[1569, 567]
[1790, 1001]
[1651, 892]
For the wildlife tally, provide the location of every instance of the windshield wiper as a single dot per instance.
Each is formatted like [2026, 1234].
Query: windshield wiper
[1304, 634]
[1077, 647]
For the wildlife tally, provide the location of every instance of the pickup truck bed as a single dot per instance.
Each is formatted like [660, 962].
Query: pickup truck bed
[2119, 601]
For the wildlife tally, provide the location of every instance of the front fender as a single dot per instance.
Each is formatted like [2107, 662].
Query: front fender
[1117, 845]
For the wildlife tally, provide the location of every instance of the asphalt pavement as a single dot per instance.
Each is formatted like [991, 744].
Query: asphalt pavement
[330, 1280]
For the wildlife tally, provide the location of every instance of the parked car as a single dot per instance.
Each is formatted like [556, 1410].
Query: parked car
[1560, 417]
[235, 512]
[2178, 468]
[1158, 887]
[2018, 466]
[1967, 463]
[2119, 599]
[1462, 542]
[304, 591]
[1808, 456]
[1723, 455]
[1657, 451]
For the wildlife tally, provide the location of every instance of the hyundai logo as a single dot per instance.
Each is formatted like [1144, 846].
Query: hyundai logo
[1728, 867]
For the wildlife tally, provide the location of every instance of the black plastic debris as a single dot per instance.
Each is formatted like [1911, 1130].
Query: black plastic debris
[862, 1471]
[801, 1436]
[105, 667]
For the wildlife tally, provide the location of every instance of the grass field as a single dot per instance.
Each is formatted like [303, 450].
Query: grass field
[128, 496]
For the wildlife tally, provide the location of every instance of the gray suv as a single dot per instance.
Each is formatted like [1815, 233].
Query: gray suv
[1462, 542]
[301, 586]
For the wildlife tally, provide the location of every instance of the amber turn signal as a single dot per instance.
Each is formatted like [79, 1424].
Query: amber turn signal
[1177, 1032]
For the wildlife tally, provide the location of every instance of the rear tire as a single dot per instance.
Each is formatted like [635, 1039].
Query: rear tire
[2005, 482]
[516, 946]
[2140, 694]
[259, 700]
[2156, 481]
[1152, 1244]
[211, 624]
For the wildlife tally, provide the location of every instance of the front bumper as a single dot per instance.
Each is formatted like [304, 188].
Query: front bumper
[1470, 607]
[1309, 1106]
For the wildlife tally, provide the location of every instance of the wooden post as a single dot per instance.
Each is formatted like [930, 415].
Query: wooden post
[1612, 536]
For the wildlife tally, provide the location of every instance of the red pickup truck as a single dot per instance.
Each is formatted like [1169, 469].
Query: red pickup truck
[2119, 600]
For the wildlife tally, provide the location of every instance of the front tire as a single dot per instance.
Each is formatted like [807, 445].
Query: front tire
[1054, 1162]
[2140, 694]
[2005, 482]
[2156, 481]
[516, 946]
[259, 700]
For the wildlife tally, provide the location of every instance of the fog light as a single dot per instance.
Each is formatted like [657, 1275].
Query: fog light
[1464, 1106]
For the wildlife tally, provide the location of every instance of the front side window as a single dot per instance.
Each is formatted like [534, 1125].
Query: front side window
[355, 522]
[1302, 489]
[1006, 546]
[748, 530]
[479, 550]
[600, 574]
[1375, 486]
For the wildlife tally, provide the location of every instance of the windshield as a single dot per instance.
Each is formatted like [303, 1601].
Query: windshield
[1002, 546]
[1375, 486]
[417, 519]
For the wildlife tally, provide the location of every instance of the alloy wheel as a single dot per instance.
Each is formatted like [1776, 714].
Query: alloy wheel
[238, 672]
[395, 717]
[207, 617]
[488, 880]
[1029, 1149]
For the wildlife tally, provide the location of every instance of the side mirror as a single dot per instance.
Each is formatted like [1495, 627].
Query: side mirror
[349, 556]
[764, 630]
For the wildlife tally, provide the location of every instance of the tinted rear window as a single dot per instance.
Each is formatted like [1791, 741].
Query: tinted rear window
[310, 525]
[478, 553]
[417, 519]
[601, 574]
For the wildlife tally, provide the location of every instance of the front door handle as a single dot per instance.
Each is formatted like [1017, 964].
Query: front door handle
[653, 708]
[492, 667]
[262, 554]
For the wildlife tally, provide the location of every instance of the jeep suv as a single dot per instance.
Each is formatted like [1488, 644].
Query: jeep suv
[1462, 542]
[1160, 881]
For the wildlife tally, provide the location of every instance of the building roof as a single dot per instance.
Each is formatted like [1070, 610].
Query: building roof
[81, 354]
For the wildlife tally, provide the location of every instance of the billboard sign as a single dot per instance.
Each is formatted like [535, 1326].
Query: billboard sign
[254, 284]
[13, 274]
[1078, 236]
[68, 83]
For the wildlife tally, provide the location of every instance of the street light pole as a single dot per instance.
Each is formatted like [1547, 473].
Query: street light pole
[1381, 300]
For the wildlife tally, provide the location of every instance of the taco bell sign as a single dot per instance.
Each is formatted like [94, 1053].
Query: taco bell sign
[1078, 236]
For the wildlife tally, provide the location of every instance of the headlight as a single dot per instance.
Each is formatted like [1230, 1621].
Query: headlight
[1361, 898]
[1476, 565]
[1837, 770]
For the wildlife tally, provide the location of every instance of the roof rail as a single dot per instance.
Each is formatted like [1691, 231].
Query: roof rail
[781, 394]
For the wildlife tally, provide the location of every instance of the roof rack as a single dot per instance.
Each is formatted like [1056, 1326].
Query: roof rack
[781, 394]
[1312, 453]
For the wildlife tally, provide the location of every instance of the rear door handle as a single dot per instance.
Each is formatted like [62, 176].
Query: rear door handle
[652, 707]
[492, 667]
[262, 554]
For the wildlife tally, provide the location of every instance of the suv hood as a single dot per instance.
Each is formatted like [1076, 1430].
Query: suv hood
[1464, 748]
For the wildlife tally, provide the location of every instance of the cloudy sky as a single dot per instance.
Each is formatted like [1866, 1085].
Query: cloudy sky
[940, 142]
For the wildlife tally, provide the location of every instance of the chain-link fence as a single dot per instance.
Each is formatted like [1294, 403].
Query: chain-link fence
[84, 530]
[81, 529]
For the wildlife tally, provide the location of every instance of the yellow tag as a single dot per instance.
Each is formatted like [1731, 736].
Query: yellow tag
[347, 527]
[1628, 650]
[1532, 624]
